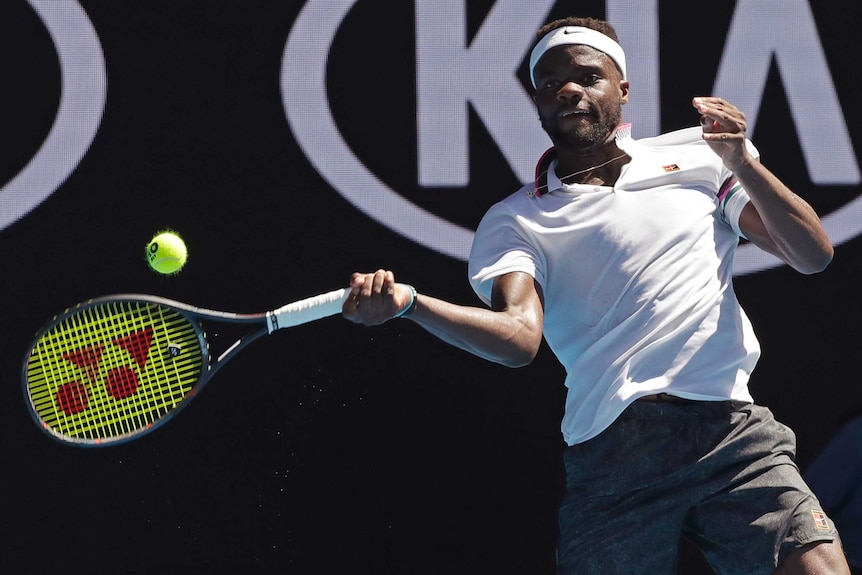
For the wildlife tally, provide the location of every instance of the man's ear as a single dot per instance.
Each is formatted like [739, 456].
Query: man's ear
[624, 91]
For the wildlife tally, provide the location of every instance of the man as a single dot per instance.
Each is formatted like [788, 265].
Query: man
[621, 255]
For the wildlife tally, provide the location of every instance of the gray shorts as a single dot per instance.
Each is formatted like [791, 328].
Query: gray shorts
[720, 473]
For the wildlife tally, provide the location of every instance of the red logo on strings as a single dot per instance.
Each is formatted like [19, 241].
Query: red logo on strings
[120, 382]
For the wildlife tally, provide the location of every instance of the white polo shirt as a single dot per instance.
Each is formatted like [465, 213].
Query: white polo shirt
[636, 278]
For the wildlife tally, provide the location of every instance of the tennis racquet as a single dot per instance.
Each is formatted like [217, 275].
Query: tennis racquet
[115, 368]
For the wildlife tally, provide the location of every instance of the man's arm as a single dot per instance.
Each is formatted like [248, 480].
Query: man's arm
[509, 333]
[777, 220]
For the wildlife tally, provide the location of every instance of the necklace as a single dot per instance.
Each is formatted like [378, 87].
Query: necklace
[593, 167]
[536, 191]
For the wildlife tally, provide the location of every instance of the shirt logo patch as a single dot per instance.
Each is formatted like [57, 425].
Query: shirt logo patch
[670, 168]
[820, 520]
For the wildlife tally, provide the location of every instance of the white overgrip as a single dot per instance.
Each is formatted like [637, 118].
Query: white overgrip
[306, 310]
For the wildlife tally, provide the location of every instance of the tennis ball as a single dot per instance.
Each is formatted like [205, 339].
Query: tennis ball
[167, 253]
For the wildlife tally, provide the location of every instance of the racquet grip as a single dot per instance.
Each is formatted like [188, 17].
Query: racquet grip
[306, 310]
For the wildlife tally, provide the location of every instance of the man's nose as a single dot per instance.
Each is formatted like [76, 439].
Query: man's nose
[570, 90]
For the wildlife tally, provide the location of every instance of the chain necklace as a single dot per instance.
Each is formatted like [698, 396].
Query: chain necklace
[602, 165]
[536, 190]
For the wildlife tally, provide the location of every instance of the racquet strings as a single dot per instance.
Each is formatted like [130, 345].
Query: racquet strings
[113, 369]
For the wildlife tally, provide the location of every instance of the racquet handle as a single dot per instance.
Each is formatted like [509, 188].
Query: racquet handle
[306, 310]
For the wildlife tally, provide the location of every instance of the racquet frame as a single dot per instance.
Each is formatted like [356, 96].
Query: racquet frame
[117, 367]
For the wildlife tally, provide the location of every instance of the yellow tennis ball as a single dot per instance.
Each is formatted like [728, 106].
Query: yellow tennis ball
[167, 253]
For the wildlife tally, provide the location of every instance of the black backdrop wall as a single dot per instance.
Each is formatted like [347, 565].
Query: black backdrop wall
[292, 143]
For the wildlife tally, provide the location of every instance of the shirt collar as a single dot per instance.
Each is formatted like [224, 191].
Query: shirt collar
[546, 179]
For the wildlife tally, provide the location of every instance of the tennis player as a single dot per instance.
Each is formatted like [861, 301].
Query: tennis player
[621, 256]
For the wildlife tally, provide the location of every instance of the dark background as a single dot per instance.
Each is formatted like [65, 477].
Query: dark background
[329, 448]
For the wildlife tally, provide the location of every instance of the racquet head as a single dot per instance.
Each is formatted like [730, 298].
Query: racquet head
[110, 369]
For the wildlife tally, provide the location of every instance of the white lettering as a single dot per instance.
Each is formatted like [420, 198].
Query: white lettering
[636, 23]
[309, 116]
[449, 76]
[786, 30]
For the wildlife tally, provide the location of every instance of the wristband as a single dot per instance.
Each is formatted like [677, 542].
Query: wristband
[408, 309]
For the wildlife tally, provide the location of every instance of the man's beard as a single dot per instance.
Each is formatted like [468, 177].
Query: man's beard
[585, 137]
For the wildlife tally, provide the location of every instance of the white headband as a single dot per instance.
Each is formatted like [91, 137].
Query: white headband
[577, 35]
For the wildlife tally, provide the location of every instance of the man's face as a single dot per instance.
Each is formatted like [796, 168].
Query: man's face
[579, 96]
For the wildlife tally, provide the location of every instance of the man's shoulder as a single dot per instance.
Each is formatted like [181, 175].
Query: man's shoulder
[687, 142]
[522, 196]
[682, 137]
[519, 203]
[677, 147]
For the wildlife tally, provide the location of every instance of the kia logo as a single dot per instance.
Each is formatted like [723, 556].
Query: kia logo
[757, 36]
[486, 82]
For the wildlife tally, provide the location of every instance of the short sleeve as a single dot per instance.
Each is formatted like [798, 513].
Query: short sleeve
[501, 245]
